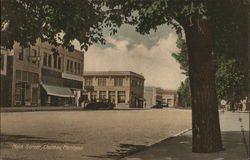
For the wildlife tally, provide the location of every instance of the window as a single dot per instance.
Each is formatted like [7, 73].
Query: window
[88, 81]
[93, 95]
[102, 94]
[59, 62]
[71, 66]
[50, 60]
[2, 61]
[76, 69]
[112, 96]
[45, 57]
[121, 96]
[24, 76]
[101, 81]
[79, 68]
[55, 60]
[18, 75]
[132, 83]
[67, 65]
[33, 56]
[118, 81]
[21, 54]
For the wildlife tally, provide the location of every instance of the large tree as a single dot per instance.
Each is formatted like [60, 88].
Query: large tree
[61, 21]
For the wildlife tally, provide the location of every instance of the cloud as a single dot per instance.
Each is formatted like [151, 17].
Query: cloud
[155, 63]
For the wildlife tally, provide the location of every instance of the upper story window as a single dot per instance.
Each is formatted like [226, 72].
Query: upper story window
[67, 68]
[45, 57]
[132, 83]
[21, 54]
[76, 68]
[79, 68]
[71, 66]
[50, 60]
[55, 60]
[59, 62]
[118, 81]
[2, 61]
[33, 55]
[88, 81]
[101, 81]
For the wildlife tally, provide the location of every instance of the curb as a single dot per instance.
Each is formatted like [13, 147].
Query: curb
[152, 145]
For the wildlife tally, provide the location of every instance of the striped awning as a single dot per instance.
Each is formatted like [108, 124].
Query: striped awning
[58, 91]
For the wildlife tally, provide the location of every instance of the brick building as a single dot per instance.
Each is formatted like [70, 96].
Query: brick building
[39, 76]
[124, 88]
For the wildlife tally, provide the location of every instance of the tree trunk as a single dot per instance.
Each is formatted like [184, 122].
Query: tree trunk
[205, 116]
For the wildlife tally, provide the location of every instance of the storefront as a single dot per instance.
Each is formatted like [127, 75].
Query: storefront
[56, 96]
[26, 88]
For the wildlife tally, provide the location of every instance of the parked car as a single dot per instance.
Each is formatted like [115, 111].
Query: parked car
[100, 105]
[158, 106]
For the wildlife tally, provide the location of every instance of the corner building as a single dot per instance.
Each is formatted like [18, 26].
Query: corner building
[124, 88]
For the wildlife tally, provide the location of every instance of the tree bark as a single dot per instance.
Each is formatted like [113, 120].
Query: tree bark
[205, 116]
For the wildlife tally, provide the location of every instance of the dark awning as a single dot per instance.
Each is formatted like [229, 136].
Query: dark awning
[58, 91]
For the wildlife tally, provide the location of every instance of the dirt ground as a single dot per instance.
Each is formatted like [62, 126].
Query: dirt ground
[88, 135]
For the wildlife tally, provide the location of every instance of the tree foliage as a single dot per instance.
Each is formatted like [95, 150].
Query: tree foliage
[58, 22]
[231, 73]
[182, 56]
[230, 80]
[184, 94]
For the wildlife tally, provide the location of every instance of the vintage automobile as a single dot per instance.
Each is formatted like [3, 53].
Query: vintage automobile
[101, 104]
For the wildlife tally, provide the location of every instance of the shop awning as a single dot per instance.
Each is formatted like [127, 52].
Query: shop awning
[58, 91]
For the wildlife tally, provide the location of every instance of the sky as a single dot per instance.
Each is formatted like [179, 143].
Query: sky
[149, 55]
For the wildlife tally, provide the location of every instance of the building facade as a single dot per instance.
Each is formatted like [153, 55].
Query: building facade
[41, 75]
[155, 95]
[169, 97]
[123, 88]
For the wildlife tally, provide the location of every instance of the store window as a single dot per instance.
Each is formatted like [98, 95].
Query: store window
[121, 97]
[102, 94]
[112, 96]
[26, 90]
[93, 96]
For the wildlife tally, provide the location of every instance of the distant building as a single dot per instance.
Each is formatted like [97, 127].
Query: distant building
[152, 96]
[155, 95]
[124, 88]
[169, 97]
[36, 76]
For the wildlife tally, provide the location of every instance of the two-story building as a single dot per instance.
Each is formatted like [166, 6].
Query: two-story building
[41, 75]
[152, 96]
[124, 88]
